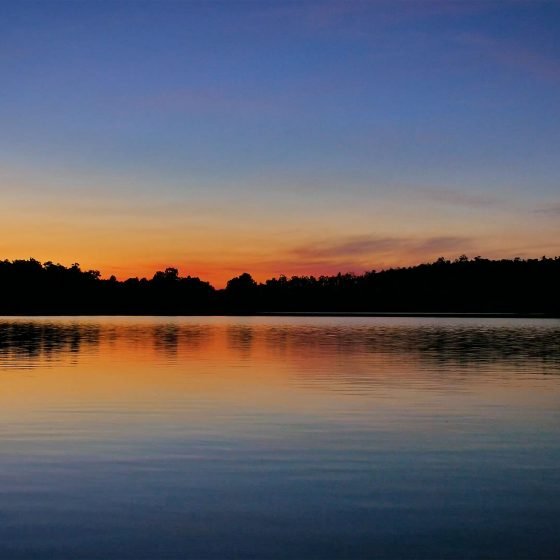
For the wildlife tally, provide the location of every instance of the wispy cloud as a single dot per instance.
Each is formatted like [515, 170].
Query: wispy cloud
[551, 209]
[201, 100]
[461, 198]
[513, 55]
[331, 14]
[438, 245]
[354, 246]
[372, 247]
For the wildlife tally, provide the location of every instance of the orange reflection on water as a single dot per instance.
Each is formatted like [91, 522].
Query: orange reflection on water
[150, 434]
[186, 366]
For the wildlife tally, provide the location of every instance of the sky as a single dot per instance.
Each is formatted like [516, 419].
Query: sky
[278, 137]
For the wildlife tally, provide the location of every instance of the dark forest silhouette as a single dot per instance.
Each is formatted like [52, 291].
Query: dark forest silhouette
[464, 285]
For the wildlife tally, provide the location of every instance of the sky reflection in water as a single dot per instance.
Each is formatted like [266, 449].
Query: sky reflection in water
[279, 437]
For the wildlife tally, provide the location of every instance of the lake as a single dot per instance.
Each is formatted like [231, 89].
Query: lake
[279, 437]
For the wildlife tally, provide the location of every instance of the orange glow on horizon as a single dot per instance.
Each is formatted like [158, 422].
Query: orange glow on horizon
[135, 237]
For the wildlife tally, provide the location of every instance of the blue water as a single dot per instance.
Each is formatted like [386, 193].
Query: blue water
[279, 438]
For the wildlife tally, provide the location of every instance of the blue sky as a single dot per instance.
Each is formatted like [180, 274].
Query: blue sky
[264, 131]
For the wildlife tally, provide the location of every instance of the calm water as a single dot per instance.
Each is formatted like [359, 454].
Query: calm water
[279, 438]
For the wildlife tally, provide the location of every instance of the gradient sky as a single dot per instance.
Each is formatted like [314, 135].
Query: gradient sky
[278, 137]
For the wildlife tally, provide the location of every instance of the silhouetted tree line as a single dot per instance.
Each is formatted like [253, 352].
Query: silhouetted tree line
[460, 286]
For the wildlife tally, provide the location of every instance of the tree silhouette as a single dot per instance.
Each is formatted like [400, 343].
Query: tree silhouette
[242, 293]
[479, 285]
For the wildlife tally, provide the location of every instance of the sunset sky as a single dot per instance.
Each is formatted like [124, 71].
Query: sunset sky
[278, 137]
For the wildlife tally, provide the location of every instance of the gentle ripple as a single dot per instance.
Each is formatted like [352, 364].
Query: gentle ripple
[286, 437]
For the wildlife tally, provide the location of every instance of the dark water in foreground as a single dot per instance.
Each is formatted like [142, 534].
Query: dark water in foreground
[279, 438]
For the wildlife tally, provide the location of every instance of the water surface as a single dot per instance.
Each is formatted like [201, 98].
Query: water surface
[279, 437]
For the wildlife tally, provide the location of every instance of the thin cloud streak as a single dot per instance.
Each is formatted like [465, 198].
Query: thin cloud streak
[371, 246]
[552, 209]
[460, 198]
[202, 100]
[513, 55]
[350, 15]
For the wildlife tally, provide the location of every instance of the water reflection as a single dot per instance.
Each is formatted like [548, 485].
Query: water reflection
[279, 437]
[166, 339]
[31, 343]
[439, 340]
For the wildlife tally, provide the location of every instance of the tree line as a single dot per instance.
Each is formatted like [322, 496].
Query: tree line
[463, 285]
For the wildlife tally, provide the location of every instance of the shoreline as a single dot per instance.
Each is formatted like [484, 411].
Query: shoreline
[333, 314]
